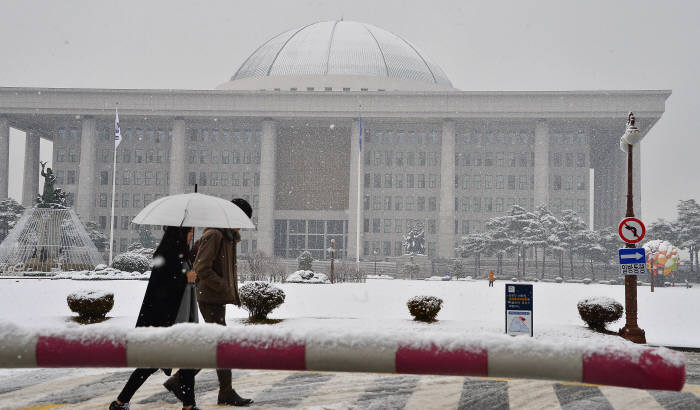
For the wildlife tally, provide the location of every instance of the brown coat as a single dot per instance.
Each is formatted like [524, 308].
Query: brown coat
[216, 269]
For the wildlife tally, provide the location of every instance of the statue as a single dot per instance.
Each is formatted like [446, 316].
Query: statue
[414, 241]
[52, 197]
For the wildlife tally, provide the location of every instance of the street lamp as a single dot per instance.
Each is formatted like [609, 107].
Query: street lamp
[374, 252]
[332, 251]
[631, 331]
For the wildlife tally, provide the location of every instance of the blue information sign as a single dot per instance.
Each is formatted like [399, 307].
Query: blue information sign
[632, 261]
[518, 309]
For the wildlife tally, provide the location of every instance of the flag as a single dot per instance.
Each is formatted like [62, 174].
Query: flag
[360, 132]
[117, 131]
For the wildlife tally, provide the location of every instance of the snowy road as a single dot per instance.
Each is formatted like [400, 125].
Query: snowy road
[95, 388]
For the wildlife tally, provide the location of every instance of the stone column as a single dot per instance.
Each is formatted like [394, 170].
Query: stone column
[266, 205]
[32, 169]
[355, 189]
[85, 202]
[4, 157]
[541, 163]
[177, 158]
[446, 236]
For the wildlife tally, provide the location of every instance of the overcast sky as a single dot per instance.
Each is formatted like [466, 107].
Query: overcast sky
[536, 45]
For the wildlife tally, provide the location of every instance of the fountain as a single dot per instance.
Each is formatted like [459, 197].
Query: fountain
[48, 237]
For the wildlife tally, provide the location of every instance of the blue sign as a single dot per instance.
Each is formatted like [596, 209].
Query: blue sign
[518, 309]
[633, 261]
[632, 255]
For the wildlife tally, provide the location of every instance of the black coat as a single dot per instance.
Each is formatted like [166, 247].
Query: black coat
[164, 291]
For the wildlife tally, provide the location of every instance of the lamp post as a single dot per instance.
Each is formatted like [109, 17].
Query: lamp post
[631, 331]
[332, 251]
[374, 252]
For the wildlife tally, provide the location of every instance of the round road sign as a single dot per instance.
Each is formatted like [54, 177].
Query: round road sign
[631, 230]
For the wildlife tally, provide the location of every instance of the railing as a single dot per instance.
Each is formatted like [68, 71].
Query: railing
[266, 348]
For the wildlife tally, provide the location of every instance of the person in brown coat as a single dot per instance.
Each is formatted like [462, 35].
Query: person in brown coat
[217, 286]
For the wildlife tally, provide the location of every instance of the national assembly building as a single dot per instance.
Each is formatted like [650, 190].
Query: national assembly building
[284, 132]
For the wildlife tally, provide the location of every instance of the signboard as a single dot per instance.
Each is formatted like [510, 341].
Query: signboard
[631, 230]
[632, 261]
[518, 309]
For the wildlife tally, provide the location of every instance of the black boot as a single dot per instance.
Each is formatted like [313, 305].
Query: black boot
[231, 398]
[115, 406]
[174, 386]
[227, 395]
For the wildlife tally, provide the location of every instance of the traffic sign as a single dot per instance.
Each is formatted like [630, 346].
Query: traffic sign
[518, 309]
[632, 261]
[631, 230]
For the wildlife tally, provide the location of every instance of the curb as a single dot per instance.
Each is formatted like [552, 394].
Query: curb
[621, 365]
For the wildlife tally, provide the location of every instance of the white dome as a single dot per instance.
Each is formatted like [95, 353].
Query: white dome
[338, 54]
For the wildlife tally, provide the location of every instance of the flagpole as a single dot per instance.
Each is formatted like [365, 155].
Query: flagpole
[117, 133]
[359, 196]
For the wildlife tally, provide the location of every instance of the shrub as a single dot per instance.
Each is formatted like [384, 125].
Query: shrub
[598, 311]
[91, 305]
[558, 279]
[131, 262]
[411, 270]
[587, 281]
[424, 308]
[260, 298]
[305, 260]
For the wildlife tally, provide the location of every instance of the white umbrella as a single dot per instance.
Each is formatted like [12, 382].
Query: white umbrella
[195, 210]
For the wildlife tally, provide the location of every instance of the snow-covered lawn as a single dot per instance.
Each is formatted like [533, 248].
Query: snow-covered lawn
[669, 315]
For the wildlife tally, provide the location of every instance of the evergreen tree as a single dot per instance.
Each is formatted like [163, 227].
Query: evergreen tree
[146, 237]
[98, 237]
[305, 261]
[689, 229]
[570, 234]
[549, 239]
[474, 245]
[10, 212]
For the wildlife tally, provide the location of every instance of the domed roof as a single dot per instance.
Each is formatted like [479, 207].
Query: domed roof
[342, 48]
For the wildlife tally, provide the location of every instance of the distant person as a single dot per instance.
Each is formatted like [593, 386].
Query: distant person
[215, 264]
[170, 274]
[492, 278]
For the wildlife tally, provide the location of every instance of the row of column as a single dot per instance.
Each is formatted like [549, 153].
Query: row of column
[30, 180]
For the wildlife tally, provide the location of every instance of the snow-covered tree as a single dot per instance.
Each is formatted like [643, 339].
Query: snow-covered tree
[98, 237]
[146, 237]
[570, 234]
[305, 260]
[610, 242]
[411, 269]
[458, 269]
[497, 239]
[689, 229]
[473, 245]
[10, 212]
[414, 241]
[663, 230]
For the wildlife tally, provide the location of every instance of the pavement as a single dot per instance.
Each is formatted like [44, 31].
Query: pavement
[96, 388]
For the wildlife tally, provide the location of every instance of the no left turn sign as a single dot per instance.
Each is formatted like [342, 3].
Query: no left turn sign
[631, 230]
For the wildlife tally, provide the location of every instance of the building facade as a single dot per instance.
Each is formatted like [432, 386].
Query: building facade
[285, 133]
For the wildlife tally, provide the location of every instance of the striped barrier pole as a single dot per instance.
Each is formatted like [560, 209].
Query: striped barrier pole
[185, 346]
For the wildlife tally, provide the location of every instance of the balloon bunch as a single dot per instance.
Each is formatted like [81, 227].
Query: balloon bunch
[662, 257]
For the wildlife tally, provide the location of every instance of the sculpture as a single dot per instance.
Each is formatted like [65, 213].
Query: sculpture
[53, 198]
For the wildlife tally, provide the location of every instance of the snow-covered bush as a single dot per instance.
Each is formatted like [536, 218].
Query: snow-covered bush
[305, 260]
[558, 279]
[587, 281]
[597, 311]
[91, 305]
[411, 270]
[424, 308]
[260, 298]
[131, 261]
[307, 276]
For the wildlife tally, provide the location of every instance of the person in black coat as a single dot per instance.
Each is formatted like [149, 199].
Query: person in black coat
[170, 274]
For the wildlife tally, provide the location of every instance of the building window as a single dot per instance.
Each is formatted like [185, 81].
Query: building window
[409, 203]
[466, 205]
[125, 222]
[387, 225]
[499, 205]
[420, 204]
[366, 203]
[387, 181]
[432, 204]
[104, 177]
[387, 203]
[580, 183]
[203, 178]
[511, 181]
[421, 180]
[103, 200]
[580, 159]
[398, 203]
[376, 225]
[125, 200]
[377, 203]
[103, 222]
[557, 183]
[522, 182]
[366, 225]
[399, 180]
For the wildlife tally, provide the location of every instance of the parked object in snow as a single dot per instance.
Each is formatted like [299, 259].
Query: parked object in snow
[424, 308]
[260, 298]
[598, 311]
[91, 305]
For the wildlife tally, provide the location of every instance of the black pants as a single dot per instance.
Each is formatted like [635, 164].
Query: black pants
[139, 376]
[490, 283]
[216, 313]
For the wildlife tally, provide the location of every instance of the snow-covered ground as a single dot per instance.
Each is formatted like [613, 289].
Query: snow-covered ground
[669, 315]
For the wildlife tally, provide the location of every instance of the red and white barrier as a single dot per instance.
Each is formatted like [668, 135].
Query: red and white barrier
[188, 346]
